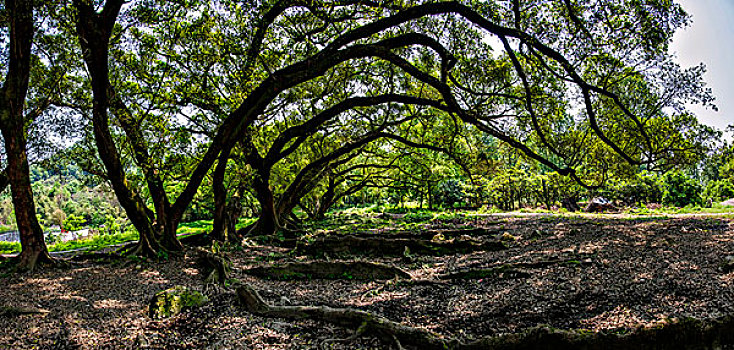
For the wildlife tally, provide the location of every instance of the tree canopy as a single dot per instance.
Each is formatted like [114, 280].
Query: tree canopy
[300, 104]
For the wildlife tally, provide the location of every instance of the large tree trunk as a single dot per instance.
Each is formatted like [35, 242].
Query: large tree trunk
[226, 213]
[166, 222]
[327, 199]
[12, 125]
[34, 249]
[220, 200]
[94, 31]
[268, 222]
[4, 180]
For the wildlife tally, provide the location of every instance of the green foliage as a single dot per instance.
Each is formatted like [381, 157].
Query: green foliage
[681, 190]
[96, 242]
[111, 226]
[74, 223]
[719, 190]
[172, 301]
[61, 191]
[643, 187]
[52, 238]
[195, 227]
[449, 193]
[9, 247]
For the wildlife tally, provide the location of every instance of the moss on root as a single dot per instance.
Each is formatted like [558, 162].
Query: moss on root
[171, 302]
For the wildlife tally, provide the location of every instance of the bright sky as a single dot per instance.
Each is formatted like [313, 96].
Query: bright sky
[710, 39]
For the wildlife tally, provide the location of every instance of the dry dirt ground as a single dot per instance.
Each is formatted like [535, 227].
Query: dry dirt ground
[624, 274]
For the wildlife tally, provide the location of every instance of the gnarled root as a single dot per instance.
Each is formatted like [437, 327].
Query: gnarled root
[366, 323]
[30, 260]
[141, 248]
[686, 334]
[512, 270]
[382, 246]
[12, 311]
[360, 270]
[215, 268]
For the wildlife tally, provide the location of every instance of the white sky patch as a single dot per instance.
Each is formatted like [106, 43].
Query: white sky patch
[708, 40]
[494, 42]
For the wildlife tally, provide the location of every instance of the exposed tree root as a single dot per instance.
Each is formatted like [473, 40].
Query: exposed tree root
[13, 311]
[381, 246]
[285, 238]
[512, 270]
[429, 234]
[140, 248]
[366, 323]
[171, 245]
[330, 270]
[685, 334]
[502, 272]
[29, 261]
[215, 268]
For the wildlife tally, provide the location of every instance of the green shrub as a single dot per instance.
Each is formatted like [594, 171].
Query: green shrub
[645, 187]
[111, 226]
[449, 192]
[74, 223]
[9, 247]
[96, 242]
[681, 190]
[720, 190]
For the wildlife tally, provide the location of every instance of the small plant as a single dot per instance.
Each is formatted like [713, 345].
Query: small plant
[507, 237]
[74, 223]
[52, 238]
[110, 226]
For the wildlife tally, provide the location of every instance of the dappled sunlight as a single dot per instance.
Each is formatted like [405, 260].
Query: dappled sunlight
[113, 304]
[609, 283]
[153, 277]
[621, 317]
[190, 271]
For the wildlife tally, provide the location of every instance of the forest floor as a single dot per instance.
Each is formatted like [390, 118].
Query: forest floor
[595, 273]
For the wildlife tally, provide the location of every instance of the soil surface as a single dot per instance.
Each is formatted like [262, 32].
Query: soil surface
[617, 274]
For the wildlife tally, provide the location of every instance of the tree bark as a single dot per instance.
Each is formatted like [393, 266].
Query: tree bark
[12, 125]
[4, 180]
[166, 223]
[34, 248]
[226, 213]
[327, 199]
[219, 231]
[268, 222]
[94, 32]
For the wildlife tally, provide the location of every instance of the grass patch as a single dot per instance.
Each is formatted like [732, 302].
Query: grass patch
[195, 227]
[95, 242]
[9, 247]
[244, 222]
[716, 208]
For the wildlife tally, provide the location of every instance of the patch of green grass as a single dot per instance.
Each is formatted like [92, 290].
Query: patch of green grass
[715, 209]
[9, 247]
[244, 222]
[96, 242]
[194, 227]
[101, 241]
